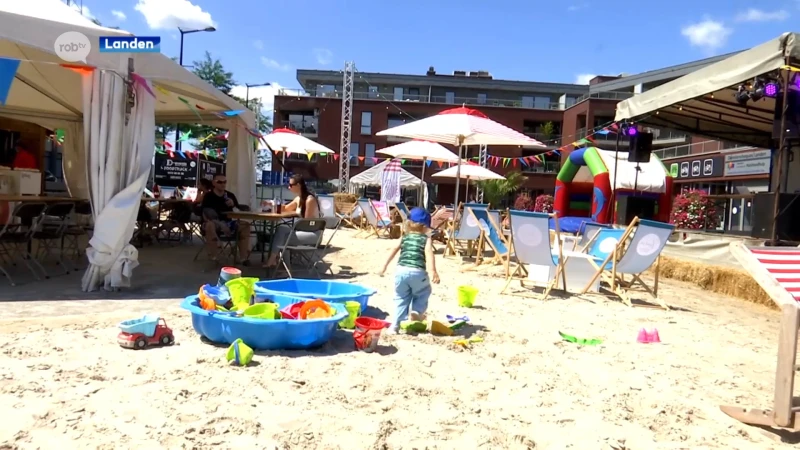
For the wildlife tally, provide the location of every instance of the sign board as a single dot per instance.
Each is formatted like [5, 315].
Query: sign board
[273, 178]
[750, 163]
[707, 167]
[209, 168]
[674, 170]
[179, 171]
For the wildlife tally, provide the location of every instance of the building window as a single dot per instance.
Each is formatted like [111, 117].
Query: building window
[366, 122]
[481, 99]
[354, 153]
[527, 102]
[369, 154]
[326, 90]
[541, 102]
[413, 93]
[396, 121]
[450, 97]
[398, 94]
[373, 92]
[570, 101]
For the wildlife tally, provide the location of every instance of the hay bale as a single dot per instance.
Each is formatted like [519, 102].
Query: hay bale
[345, 197]
[727, 281]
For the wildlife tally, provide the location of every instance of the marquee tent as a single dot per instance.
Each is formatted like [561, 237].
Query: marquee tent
[372, 177]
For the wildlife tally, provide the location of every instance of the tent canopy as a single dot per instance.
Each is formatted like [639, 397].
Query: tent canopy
[372, 177]
[42, 88]
[704, 103]
[649, 177]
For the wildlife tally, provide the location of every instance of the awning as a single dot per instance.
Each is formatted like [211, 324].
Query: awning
[704, 103]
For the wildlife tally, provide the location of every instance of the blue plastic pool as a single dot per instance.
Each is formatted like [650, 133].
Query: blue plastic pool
[329, 291]
[259, 334]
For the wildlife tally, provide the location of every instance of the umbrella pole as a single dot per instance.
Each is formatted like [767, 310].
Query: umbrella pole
[466, 192]
[421, 193]
[458, 177]
[456, 215]
[283, 169]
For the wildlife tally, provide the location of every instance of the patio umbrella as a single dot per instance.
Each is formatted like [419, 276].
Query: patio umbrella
[419, 150]
[469, 172]
[289, 141]
[459, 127]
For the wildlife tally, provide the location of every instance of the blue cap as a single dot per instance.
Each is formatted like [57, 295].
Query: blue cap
[420, 216]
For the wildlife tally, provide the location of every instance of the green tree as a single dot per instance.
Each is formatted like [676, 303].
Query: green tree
[496, 191]
[547, 130]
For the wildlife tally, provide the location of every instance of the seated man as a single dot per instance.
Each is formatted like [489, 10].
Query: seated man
[216, 204]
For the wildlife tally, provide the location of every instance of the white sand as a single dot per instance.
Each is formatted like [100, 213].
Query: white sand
[65, 383]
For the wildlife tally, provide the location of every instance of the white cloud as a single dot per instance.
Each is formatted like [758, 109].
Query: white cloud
[119, 15]
[323, 55]
[757, 15]
[584, 78]
[577, 7]
[272, 64]
[171, 14]
[708, 34]
[83, 10]
[259, 44]
[265, 93]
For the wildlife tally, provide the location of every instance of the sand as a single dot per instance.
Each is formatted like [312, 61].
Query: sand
[65, 383]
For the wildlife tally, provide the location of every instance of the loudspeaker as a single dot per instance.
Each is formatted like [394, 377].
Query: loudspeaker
[762, 216]
[641, 144]
[630, 206]
[792, 125]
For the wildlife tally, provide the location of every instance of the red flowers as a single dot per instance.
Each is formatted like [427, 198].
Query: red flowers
[693, 210]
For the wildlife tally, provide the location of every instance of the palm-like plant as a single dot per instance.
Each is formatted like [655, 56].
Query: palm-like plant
[496, 191]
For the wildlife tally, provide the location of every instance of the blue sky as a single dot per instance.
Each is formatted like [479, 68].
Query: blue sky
[563, 41]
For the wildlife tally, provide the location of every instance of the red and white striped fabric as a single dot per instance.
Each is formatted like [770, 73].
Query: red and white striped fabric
[461, 126]
[783, 264]
[390, 181]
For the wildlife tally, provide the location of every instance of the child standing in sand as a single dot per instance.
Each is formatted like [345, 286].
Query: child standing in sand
[412, 286]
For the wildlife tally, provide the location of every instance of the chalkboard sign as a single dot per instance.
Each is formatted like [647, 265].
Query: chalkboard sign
[178, 171]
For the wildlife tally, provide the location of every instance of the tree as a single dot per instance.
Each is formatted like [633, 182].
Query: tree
[547, 130]
[496, 191]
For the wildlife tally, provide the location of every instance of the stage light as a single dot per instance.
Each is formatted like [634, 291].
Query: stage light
[632, 131]
[771, 90]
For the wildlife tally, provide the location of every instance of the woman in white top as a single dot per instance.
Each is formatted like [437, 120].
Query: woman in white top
[306, 206]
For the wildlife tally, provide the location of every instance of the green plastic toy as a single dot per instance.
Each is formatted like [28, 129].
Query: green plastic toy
[239, 353]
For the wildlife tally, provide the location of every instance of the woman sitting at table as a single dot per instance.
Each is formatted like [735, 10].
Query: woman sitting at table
[306, 206]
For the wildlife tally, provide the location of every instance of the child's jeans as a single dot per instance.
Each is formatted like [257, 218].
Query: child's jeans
[412, 288]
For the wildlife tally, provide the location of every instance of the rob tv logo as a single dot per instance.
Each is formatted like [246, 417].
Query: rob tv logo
[130, 44]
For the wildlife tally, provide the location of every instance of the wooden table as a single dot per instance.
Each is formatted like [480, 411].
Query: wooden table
[268, 222]
[38, 199]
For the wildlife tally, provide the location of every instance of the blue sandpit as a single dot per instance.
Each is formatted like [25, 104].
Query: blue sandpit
[222, 328]
[329, 291]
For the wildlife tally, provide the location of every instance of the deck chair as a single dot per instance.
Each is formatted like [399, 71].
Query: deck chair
[402, 210]
[491, 233]
[347, 212]
[530, 239]
[633, 258]
[328, 209]
[587, 230]
[374, 226]
[308, 253]
[441, 215]
[777, 271]
[465, 228]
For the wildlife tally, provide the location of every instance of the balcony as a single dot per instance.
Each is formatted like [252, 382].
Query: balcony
[619, 96]
[660, 137]
[548, 167]
[308, 126]
[422, 98]
[549, 140]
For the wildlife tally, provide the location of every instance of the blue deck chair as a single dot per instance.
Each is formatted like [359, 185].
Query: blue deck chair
[633, 258]
[403, 210]
[587, 232]
[530, 238]
[374, 225]
[465, 228]
[490, 232]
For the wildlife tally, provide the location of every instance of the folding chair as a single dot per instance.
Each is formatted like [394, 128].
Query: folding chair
[347, 212]
[530, 239]
[228, 245]
[587, 231]
[492, 234]
[441, 215]
[402, 210]
[308, 253]
[325, 249]
[644, 250]
[374, 225]
[465, 228]
[50, 234]
[16, 238]
[328, 209]
[77, 229]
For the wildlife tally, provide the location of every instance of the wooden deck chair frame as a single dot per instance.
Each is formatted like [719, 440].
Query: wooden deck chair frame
[784, 413]
[522, 273]
[437, 231]
[369, 229]
[619, 285]
[482, 241]
[347, 217]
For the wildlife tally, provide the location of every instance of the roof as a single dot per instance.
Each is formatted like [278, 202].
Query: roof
[704, 102]
[307, 78]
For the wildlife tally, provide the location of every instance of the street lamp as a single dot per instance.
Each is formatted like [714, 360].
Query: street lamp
[247, 92]
[180, 61]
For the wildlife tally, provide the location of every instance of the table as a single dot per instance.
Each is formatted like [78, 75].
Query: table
[38, 198]
[269, 222]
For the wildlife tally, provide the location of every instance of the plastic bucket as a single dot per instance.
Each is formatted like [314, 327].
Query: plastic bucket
[227, 274]
[368, 333]
[264, 311]
[242, 291]
[239, 353]
[466, 296]
[353, 310]
[315, 309]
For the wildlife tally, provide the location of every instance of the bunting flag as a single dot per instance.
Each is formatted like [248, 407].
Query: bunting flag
[138, 79]
[79, 69]
[8, 70]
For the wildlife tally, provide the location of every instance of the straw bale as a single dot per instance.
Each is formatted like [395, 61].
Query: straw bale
[728, 281]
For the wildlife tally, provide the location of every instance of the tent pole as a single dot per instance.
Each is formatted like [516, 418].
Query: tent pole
[421, 193]
[612, 208]
[781, 143]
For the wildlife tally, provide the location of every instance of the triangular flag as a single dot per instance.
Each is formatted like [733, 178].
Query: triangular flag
[138, 79]
[402, 161]
[79, 69]
[310, 155]
[374, 160]
[361, 158]
[59, 135]
[428, 162]
[440, 164]
[199, 107]
[162, 90]
[194, 110]
[514, 162]
[233, 113]
[336, 156]
[8, 70]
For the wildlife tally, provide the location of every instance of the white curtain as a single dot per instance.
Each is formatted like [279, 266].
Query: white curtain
[240, 167]
[118, 164]
[73, 161]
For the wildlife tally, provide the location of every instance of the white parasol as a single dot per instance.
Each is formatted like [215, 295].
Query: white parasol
[469, 172]
[289, 141]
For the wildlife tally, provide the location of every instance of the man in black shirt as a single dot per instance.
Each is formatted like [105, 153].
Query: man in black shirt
[216, 204]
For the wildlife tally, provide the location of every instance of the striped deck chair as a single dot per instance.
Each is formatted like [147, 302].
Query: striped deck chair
[777, 271]
[374, 226]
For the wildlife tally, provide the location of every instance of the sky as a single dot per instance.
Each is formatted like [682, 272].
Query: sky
[566, 41]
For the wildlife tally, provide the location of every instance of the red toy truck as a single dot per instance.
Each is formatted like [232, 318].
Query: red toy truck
[137, 334]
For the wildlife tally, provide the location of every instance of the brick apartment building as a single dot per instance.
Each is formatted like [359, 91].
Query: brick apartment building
[553, 113]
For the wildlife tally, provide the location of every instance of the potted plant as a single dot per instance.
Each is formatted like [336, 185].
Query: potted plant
[544, 203]
[693, 210]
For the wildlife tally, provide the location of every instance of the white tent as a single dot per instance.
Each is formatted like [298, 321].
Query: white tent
[51, 96]
[648, 177]
[704, 102]
[372, 177]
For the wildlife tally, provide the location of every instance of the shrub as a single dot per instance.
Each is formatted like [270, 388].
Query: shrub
[523, 202]
[544, 203]
[693, 210]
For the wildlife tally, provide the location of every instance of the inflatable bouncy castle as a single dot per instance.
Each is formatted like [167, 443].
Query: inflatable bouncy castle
[584, 190]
